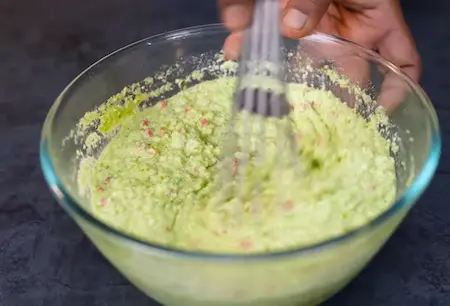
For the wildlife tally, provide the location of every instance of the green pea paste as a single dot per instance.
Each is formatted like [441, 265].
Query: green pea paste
[157, 177]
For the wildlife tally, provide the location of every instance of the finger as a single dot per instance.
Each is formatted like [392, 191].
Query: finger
[232, 45]
[343, 58]
[300, 17]
[347, 57]
[398, 47]
[306, 12]
[236, 14]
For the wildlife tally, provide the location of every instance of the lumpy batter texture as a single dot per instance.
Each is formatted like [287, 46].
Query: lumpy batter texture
[157, 178]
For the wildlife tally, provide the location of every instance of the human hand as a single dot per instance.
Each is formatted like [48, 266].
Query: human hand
[375, 24]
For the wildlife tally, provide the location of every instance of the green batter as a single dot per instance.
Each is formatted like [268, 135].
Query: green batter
[156, 179]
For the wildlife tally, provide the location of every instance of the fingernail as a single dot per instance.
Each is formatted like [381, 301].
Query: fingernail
[236, 16]
[295, 19]
[231, 48]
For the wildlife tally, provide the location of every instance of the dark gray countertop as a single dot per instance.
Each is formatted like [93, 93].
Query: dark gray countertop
[46, 260]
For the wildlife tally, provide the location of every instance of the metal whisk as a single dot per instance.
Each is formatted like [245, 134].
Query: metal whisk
[259, 151]
[260, 87]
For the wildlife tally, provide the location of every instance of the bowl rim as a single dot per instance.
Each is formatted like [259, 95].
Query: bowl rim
[407, 199]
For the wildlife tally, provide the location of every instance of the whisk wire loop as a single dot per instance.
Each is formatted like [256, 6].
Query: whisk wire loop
[257, 150]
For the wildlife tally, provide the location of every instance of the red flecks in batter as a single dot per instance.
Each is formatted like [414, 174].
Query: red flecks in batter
[100, 188]
[102, 202]
[203, 122]
[162, 131]
[145, 122]
[163, 104]
[186, 108]
[107, 180]
[234, 170]
[196, 170]
[148, 132]
[245, 244]
[288, 205]
[235, 166]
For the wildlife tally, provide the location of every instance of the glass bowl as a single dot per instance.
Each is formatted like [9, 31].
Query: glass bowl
[302, 276]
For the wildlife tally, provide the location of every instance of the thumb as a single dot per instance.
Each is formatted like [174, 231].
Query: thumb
[300, 17]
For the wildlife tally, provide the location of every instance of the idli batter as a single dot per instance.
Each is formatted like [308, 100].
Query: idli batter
[155, 178]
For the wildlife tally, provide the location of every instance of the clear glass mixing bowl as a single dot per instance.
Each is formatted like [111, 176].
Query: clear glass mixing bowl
[304, 276]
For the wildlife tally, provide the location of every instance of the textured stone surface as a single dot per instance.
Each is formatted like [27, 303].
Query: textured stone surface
[46, 260]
